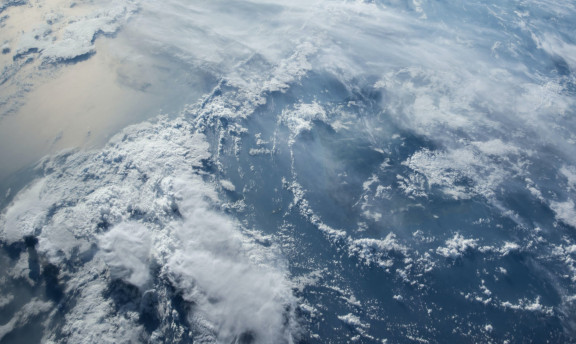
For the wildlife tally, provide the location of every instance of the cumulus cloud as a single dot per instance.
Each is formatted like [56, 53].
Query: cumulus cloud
[25, 214]
[126, 250]
[565, 212]
[457, 246]
[301, 117]
[351, 320]
[152, 210]
[219, 270]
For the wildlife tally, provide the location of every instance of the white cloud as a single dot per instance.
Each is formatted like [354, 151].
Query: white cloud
[569, 173]
[226, 276]
[63, 40]
[143, 193]
[457, 246]
[227, 185]
[27, 313]
[25, 214]
[495, 147]
[126, 250]
[565, 212]
[352, 320]
[301, 117]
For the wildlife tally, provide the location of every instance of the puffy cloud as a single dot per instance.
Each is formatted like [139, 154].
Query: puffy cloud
[457, 246]
[126, 250]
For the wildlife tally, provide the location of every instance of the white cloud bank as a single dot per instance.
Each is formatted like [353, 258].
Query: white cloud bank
[158, 222]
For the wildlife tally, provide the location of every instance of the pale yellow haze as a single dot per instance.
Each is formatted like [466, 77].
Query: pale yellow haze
[80, 104]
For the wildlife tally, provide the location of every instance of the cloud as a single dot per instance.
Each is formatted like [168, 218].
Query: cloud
[472, 108]
[457, 246]
[61, 40]
[27, 313]
[126, 250]
[157, 226]
[565, 212]
[226, 276]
